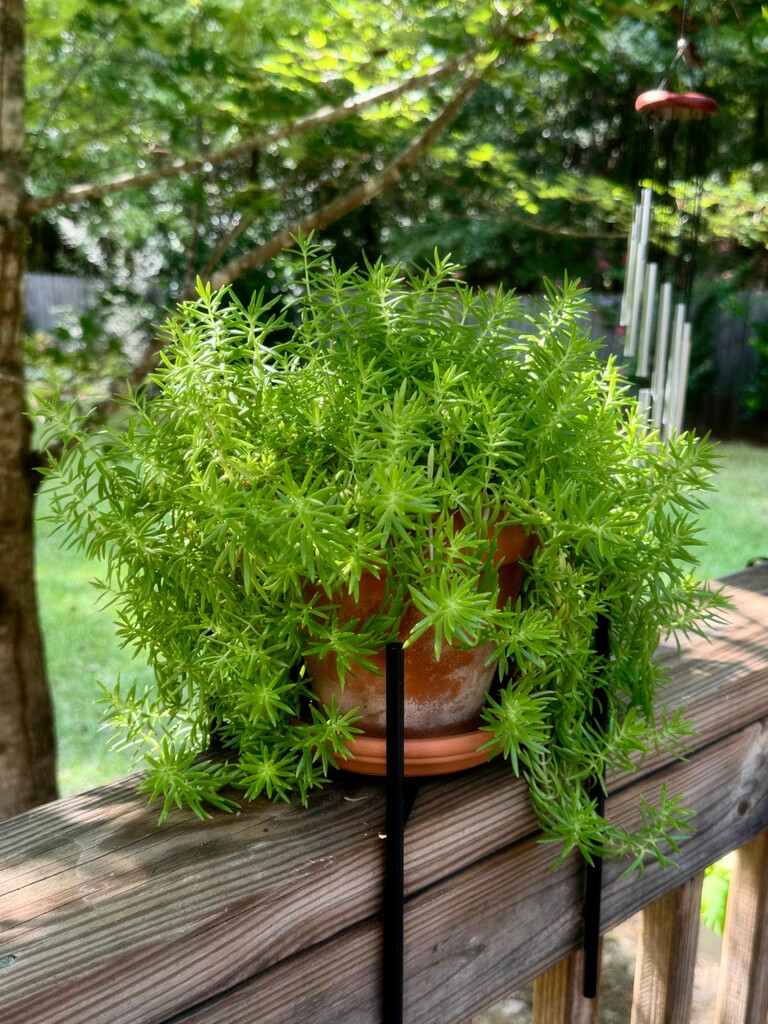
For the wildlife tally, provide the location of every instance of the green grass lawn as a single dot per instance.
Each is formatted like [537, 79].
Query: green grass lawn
[82, 649]
[735, 526]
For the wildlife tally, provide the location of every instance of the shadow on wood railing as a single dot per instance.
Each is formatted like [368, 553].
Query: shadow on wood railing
[273, 915]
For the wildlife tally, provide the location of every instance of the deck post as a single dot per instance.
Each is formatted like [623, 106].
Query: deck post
[558, 996]
[742, 995]
[666, 957]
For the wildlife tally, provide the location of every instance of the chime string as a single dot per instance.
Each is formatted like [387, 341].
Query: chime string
[676, 179]
[663, 243]
[694, 184]
[682, 46]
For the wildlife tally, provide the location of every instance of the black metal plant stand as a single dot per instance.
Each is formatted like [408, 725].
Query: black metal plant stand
[593, 882]
[400, 794]
[395, 826]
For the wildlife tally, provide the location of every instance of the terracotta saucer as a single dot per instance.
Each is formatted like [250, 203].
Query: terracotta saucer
[436, 755]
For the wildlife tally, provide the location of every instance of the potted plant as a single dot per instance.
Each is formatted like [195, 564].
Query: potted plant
[400, 430]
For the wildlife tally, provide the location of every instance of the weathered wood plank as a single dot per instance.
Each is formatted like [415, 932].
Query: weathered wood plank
[112, 919]
[742, 996]
[666, 957]
[480, 933]
[491, 929]
[467, 940]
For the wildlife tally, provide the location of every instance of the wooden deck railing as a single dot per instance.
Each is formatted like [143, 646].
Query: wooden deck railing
[272, 916]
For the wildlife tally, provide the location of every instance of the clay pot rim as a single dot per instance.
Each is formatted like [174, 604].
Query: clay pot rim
[424, 756]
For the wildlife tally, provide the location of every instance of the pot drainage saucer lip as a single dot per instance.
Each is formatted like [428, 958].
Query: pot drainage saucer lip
[434, 755]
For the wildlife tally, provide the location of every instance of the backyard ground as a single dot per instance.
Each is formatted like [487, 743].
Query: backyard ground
[617, 979]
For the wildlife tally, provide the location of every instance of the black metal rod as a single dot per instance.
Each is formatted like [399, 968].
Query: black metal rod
[395, 867]
[593, 892]
[593, 883]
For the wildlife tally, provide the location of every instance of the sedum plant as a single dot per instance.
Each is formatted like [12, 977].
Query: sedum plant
[279, 455]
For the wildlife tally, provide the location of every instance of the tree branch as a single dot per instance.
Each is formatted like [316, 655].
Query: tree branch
[544, 229]
[176, 168]
[225, 242]
[320, 218]
[357, 196]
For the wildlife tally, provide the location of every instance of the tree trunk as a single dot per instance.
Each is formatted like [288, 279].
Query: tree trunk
[27, 753]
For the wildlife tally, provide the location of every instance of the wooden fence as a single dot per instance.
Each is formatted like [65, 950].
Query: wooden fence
[724, 365]
[48, 296]
[272, 916]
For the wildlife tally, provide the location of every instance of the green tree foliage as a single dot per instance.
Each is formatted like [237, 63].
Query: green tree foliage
[125, 87]
[535, 176]
[129, 94]
[546, 159]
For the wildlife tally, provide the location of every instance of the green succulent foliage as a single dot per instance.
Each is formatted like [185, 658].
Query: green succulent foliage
[379, 424]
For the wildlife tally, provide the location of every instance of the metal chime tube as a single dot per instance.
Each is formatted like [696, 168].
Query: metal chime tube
[649, 310]
[669, 414]
[658, 381]
[637, 272]
[681, 377]
[629, 273]
[645, 403]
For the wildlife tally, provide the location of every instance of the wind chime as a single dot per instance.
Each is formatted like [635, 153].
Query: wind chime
[662, 246]
[654, 313]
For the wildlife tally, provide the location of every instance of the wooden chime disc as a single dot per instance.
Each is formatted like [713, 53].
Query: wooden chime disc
[678, 106]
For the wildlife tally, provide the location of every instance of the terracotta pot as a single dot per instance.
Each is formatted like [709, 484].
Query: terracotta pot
[432, 755]
[442, 698]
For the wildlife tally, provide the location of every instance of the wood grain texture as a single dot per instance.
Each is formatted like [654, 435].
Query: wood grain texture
[558, 996]
[666, 957]
[742, 996]
[271, 915]
[488, 930]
